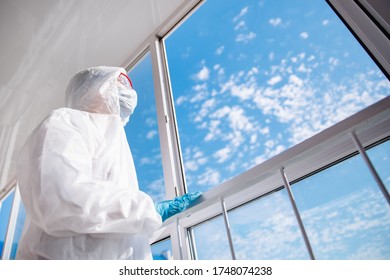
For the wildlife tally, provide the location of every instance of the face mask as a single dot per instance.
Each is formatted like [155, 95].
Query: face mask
[127, 102]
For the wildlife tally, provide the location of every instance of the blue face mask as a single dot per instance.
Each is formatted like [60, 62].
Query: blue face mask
[127, 102]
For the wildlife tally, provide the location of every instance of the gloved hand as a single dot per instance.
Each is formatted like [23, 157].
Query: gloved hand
[168, 208]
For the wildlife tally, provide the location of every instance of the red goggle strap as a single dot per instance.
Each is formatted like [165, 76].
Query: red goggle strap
[127, 77]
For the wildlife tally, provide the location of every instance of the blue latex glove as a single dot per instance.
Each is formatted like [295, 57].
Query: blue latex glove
[168, 208]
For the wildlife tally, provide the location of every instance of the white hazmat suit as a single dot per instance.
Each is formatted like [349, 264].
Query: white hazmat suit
[77, 177]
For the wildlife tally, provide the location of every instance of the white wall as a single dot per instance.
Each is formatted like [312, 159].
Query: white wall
[45, 42]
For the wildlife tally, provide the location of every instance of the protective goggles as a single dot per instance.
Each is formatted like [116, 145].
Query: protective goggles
[125, 80]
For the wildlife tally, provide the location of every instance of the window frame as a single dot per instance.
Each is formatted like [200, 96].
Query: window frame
[365, 30]
[311, 155]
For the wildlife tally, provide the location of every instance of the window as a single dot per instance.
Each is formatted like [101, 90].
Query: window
[210, 240]
[18, 230]
[344, 212]
[5, 212]
[267, 229]
[252, 78]
[162, 250]
[142, 132]
[380, 158]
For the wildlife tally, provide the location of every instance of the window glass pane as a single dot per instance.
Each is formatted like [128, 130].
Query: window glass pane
[344, 212]
[210, 240]
[142, 132]
[18, 230]
[253, 78]
[267, 229]
[5, 212]
[162, 250]
[380, 158]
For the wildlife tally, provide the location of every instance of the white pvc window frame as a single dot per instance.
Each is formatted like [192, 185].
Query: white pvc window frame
[380, 16]
[366, 31]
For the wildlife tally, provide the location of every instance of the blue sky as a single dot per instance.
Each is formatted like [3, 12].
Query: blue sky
[344, 219]
[263, 77]
[249, 80]
[5, 210]
[251, 84]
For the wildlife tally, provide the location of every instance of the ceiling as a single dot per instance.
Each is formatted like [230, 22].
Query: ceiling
[45, 42]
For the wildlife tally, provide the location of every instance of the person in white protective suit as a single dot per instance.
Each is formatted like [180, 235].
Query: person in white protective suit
[78, 181]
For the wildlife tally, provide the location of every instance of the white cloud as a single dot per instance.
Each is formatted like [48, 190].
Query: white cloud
[264, 130]
[243, 91]
[270, 144]
[235, 124]
[253, 71]
[193, 160]
[214, 130]
[307, 110]
[156, 189]
[198, 154]
[242, 13]
[333, 61]
[223, 154]
[295, 80]
[304, 35]
[302, 68]
[301, 55]
[220, 113]
[200, 87]
[203, 74]
[150, 135]
[187, 53]
[191, 165]
[253, 139]
[208, 105]
[274, 80]
[245, 38]
[239, 121]
[235, 138]
[151, 122]
[210, 177]
[146, 160]
[220, 50]
[241, 25]
[275, 151]
[181, 99]
[202, 161]
[205, 109]
[200, 93]
[275, 21]
[325, 22]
